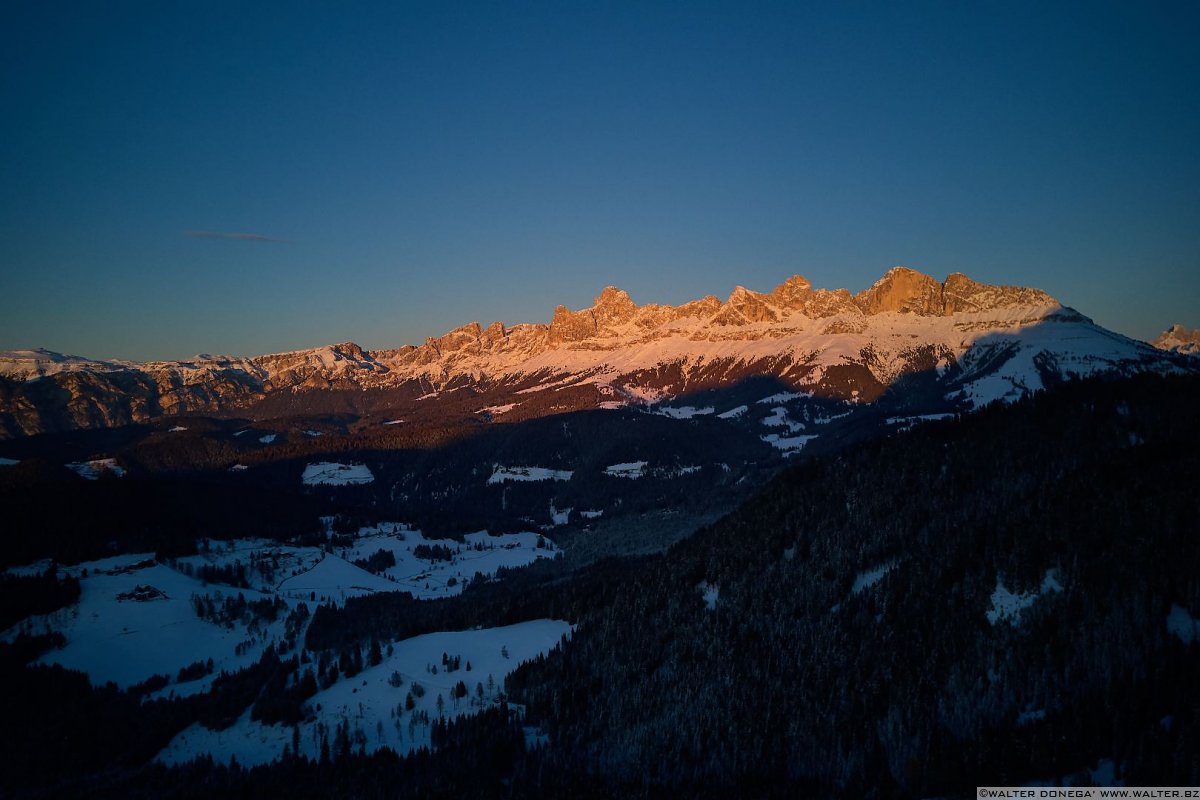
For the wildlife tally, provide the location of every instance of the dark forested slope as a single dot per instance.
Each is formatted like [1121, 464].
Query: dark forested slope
[1009, 597]
[1077, 502]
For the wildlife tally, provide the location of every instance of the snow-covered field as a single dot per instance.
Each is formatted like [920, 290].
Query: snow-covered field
[8, 462]
[374, 708]
[137, 618]
[336, 577]
[331, 473]
[502, 474]
[113, 637]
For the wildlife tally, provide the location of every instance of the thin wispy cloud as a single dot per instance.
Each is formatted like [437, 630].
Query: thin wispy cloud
[231, 236]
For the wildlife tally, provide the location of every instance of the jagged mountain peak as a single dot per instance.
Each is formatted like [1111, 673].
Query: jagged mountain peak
[904, 290]
[1179, 339]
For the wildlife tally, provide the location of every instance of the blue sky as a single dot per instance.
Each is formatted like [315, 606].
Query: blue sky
[410, 167]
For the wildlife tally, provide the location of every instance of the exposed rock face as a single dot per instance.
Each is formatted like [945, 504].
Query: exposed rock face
[904, 290]
[744, 307]
[572, 326]
[814, 339]
[612, 307]
[1179, 339]
[960, 293]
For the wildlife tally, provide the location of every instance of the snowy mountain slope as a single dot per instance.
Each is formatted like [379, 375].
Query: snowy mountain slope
[372, 704]
[137, 617]
[831, 343]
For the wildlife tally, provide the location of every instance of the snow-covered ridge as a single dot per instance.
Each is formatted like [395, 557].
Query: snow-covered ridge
[613, 317]
[991, 342]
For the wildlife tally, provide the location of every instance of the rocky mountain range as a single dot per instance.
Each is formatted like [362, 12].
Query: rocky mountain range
[966, 342]
[1179, 339]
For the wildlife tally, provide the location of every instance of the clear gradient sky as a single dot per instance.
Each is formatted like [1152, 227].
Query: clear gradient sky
[404, 168]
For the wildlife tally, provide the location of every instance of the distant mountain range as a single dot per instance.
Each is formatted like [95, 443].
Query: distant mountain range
[1179, 339]
[963, 342]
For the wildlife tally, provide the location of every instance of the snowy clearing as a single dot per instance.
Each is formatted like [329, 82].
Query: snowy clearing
[331, 473]
[137, 618]
[270, 437]
[733, 413]
[118, 633]
[630, 469]
[684, 412]
[8, 462]
[788, 444]
[779, 419]
[502, 474]
[372, 705]
[1007, 607]
[429, 578]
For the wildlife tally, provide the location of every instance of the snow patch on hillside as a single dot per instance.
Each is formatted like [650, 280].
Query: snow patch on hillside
[503, 474]
[336, 579]
[1007, 606]
[92, 470]
[330, 473]
[8, 462]
[868, 578]
[733, 413]
[370, 704]
[1182, 624]
[630, 469]
[778, 418]
[496, 411]
[559, 516]
[426, 578]
[783, 397]
[788, 444]
[909, 421]
[684, 412]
